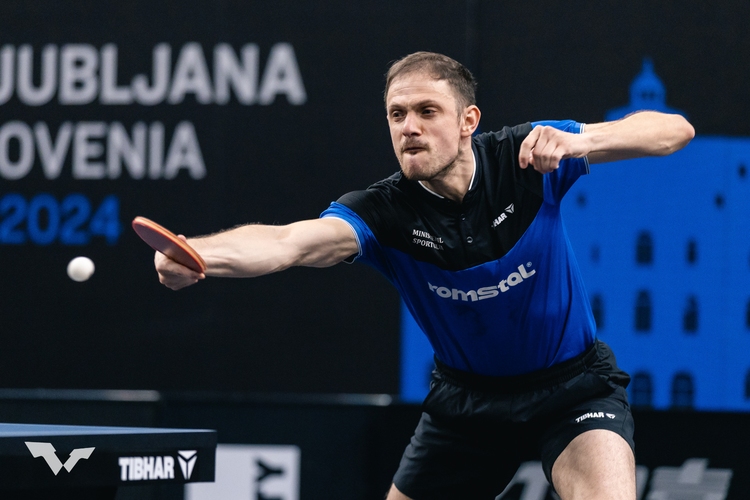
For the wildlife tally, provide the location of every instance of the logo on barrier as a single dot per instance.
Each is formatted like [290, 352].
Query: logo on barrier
[187, 462]
[47, 452]
[146, 468]
[267, 472]
[694, 479]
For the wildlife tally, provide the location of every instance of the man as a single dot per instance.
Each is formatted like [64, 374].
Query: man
[470, 233]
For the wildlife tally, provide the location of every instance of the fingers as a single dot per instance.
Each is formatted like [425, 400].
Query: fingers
[176, 283]
[173, 275]
[527, 146]
[544, 148]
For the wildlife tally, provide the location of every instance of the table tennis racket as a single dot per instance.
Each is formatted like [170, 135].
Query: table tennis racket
[165, 241]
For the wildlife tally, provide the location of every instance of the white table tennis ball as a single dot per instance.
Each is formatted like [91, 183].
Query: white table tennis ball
[80, 268]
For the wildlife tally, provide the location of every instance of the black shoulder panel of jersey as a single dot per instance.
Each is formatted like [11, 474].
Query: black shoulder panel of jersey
[494, 214]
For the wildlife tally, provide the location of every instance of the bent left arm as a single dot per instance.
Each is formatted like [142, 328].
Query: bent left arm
[645, 133]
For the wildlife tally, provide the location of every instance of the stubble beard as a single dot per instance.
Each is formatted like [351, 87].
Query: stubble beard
[430, 174]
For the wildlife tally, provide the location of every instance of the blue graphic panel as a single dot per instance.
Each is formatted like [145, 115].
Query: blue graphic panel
[693, 288]
[416, 359]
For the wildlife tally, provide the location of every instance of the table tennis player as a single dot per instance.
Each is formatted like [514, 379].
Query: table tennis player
[470, 233]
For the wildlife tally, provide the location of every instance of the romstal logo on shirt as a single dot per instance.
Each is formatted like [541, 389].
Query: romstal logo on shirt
[486, 292]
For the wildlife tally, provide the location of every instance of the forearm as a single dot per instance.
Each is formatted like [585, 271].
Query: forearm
[255, 250]
[245, 251]
[646, 133]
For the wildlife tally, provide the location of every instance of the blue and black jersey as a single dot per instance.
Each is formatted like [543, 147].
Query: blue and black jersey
[492, 281]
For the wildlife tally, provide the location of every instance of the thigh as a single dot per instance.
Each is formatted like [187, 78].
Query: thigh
[598, 464]
[609, 413]
[446, 460]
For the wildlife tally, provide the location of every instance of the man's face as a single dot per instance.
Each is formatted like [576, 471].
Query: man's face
[424, 123]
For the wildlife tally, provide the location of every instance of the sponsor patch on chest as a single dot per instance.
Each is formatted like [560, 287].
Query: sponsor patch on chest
[503, 216]
[425, 239]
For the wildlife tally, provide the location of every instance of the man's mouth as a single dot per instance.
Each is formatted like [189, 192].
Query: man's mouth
[413, 149]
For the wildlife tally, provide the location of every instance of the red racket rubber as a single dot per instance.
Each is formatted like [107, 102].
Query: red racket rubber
[165, 241]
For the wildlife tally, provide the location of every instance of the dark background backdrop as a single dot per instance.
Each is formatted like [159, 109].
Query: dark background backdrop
[306, 330]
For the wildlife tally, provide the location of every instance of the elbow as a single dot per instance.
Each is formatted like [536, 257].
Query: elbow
[680, 133]
[683, 134]
[686, 131]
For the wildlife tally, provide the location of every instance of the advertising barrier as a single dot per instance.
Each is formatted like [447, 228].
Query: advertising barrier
[310, 447]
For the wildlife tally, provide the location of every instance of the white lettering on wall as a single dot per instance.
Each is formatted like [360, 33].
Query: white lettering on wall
[27, 92]
[191, 76]
[282, 77]
[111, 93]
[154, 94]
[241, 76]
[87, 73]
[98, 150]
[79, 64]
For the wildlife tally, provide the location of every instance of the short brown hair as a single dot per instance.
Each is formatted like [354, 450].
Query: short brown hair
[439, 67]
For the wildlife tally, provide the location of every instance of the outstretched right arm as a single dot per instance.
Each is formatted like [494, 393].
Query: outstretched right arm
[255, 250]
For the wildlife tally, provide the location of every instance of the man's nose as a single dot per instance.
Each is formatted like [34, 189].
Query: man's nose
[411, 125]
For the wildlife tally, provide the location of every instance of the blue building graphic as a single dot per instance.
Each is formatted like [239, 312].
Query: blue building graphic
[646, 92]
[664, 248]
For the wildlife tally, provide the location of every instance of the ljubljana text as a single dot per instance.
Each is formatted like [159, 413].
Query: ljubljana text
[81, 74]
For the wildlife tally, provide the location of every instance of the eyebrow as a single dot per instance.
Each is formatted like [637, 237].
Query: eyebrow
[419, 104]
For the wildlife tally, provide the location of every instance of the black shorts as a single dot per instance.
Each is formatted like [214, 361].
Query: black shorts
[476, 430]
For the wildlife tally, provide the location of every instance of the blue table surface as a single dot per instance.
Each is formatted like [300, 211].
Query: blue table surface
[16, 430]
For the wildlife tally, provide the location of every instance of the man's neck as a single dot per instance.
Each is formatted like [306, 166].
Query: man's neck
[455, 183]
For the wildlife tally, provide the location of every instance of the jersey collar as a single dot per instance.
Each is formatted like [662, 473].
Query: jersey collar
[471, 182]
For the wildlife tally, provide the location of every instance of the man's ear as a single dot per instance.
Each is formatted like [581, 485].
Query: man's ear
[470, 121]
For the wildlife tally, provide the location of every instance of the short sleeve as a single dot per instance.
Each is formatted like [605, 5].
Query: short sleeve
[370, 250]
[557, 183]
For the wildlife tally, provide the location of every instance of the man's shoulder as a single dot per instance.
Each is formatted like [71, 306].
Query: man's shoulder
[499, 149]
[514, 135]
[497, 160]
[383, 190]
[393, 181]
